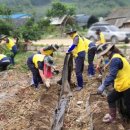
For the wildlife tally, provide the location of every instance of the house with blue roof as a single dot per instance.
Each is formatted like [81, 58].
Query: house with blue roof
[18, 18]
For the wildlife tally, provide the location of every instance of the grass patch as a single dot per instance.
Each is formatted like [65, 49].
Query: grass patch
[21, 59]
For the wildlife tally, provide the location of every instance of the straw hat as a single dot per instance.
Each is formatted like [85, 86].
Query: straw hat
[49, 61]
[70, 31]
[55, 47]
[104, 48]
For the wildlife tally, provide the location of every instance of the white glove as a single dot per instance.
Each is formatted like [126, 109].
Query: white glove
[47, 83]
[101, 89]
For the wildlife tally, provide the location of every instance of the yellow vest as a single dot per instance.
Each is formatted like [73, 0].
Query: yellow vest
[80, 47]
[10, 44]
[2, 56]
[47, 53]
[102, 38]
[122, 81]
[37, 58]
[86, 42]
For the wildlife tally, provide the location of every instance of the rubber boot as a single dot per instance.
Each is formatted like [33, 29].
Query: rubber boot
[113, 113]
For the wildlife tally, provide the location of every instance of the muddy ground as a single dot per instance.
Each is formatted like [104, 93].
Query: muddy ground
[25, 108]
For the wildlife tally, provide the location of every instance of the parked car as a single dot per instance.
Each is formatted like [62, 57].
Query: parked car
[112, 33]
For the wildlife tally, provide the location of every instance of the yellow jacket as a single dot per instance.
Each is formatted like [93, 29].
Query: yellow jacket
[37, 58]
[101, 38]
[80, 47]
[122, 81]
[10, 44]
[2, 56]
[86, 42]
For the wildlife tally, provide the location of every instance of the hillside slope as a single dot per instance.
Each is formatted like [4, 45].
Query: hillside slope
[95, 7]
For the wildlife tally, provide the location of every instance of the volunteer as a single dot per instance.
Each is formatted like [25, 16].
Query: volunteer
[11, 46]
[36, 65]
[4, 62]
[119, 76]
[78, 50]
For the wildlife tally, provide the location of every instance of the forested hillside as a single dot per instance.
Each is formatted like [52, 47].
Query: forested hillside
[96, 7]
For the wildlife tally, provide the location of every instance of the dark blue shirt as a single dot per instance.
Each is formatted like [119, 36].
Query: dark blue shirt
[115, 65]
[40, 65]
[91, 45]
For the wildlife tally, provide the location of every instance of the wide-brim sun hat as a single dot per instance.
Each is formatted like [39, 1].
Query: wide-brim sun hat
[48, 60]
[103, 49]
[55, 47]
[2, 36]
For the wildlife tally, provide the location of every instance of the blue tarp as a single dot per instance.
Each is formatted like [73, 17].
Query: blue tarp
[15, 16]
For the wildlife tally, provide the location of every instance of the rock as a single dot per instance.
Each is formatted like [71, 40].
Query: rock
[79, 102]
[79, 120]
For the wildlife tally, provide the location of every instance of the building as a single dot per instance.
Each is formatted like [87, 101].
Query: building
[62, 22]
[18, 19]
[84, 20]
[119, 17]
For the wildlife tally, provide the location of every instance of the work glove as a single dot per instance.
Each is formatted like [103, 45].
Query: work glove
[47, 83]
[56, 72]
[68, 52]
[101, 89]
[97, 67]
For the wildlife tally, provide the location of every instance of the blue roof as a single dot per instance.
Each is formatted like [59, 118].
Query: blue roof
[16, 16]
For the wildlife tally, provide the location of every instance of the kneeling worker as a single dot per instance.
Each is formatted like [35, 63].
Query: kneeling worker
[36, 65]
[4, 62]
[11, 46]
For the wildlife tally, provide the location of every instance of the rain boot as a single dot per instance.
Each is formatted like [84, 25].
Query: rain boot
[111, 117]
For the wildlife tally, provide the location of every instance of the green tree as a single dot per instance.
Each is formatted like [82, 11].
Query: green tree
[6, 27]
[4, 10]
[32, 30]
[59, 9]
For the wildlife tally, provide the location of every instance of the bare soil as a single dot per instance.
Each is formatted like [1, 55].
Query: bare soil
[84, 116]
[62, 41]
[25, 108]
